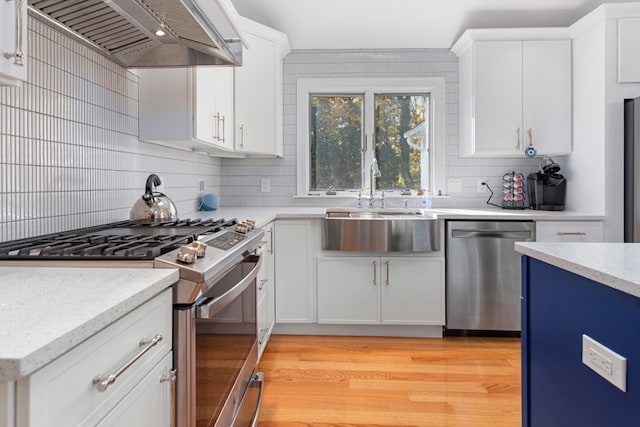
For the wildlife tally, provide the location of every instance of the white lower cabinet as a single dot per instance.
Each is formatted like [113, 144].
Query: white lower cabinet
[67, 392]
[149, 403]
[569, 231]
[381, 290]
[296, 245]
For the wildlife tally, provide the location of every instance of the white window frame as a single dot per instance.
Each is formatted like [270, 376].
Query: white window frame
[435, 86]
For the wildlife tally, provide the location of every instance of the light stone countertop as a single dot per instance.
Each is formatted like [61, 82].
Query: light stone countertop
[45, 312]
[616, 265]
[264, 215]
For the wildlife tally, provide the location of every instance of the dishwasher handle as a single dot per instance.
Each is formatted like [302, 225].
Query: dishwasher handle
[493, 234]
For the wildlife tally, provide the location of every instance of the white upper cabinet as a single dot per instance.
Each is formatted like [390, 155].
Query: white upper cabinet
[514, 89]
[189, 108]
[13, 41]
[259, 91]
[628, 58]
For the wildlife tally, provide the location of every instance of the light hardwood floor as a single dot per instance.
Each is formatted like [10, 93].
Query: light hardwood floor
[372, 381]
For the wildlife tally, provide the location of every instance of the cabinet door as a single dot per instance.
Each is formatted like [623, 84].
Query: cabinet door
[213, 94]
[255, 90]
[13, 41]
[349, 290]
[547, 95]
[296, 244]
[149, 403]
[188, 112]
[412, 291]
[628, 58]
[204, 91]
[497, 108]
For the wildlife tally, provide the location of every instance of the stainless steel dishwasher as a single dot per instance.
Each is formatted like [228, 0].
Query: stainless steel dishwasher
[483, 276]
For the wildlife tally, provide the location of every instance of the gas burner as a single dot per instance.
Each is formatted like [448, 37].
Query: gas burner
[120, 240]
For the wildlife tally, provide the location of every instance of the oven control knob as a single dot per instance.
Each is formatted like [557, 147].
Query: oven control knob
[201, 248]
[187, 254]
[242, 228]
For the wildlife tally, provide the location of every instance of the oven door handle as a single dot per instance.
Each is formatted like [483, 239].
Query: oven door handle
[213, 306]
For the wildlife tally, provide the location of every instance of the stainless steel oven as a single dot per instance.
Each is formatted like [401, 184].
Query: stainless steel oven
[214, 301]
[216, 352]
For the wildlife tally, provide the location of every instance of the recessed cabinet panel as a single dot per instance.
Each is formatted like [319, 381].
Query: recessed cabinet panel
[498, 98]
[546, 90]
[628, 42]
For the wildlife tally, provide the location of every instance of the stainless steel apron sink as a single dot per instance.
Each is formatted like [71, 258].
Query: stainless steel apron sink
[380, 230]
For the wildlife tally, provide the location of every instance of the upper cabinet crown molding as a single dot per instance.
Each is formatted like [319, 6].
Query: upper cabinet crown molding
[515, 34]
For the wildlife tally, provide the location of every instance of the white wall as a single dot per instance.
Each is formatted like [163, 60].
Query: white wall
[69, 151]
[241, 178]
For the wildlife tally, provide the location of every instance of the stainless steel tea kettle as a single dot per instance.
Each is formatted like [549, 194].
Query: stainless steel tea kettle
[153, 206]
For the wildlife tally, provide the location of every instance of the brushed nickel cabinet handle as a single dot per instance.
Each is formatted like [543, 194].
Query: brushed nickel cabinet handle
[387, 264]
[223, 136]
[18, 54]
[216, 134]
[571, 233]
[375, 273]
[517, 138]
[270, 231]
[102, 382]
[241, 136]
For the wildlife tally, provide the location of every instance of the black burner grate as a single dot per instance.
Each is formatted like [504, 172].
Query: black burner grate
[120, 240]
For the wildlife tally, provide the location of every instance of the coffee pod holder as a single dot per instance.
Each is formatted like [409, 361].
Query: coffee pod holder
[513, 191]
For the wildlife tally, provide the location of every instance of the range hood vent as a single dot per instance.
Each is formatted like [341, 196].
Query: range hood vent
[149, 33]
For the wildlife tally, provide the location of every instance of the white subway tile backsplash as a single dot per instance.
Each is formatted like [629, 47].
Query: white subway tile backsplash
[69, 152]
[361, 63]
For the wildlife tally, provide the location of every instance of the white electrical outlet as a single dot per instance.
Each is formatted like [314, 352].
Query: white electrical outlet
[605, 362]
[454, 185]
[480, 187]
[265, 185]
[201, 185]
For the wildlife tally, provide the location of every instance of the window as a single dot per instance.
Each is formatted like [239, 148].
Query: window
[343, 124]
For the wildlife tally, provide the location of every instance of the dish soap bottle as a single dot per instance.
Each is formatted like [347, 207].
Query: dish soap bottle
[426, 201]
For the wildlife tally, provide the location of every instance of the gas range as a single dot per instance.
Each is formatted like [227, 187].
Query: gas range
[126, 241]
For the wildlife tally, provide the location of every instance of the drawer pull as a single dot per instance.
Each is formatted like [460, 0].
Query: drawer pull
[571, 233]
[102, 383]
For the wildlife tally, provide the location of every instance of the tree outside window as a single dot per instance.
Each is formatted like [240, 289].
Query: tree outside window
[340, 154]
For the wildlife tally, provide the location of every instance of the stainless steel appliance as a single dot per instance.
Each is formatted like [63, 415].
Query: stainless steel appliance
[483, 276]
[149, 33]
[632, 170]
[215, 328]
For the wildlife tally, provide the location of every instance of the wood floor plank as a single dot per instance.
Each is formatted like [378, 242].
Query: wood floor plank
[381, 381]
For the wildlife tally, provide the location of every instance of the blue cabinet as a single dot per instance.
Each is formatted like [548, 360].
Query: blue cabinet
[558, 390]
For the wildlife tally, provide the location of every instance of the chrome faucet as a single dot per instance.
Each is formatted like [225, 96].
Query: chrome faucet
[374, 172]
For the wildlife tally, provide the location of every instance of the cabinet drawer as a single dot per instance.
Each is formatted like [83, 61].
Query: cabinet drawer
[63, 393]
[573, 231]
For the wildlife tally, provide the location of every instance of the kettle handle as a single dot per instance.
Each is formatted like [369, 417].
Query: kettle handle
[152, 180]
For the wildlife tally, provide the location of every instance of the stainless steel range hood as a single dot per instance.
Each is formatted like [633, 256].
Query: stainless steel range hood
[149, 33]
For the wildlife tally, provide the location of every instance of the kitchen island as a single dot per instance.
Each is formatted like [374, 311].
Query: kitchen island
[570, 290]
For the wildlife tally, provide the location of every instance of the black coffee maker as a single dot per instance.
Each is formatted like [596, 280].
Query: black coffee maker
[546, 188]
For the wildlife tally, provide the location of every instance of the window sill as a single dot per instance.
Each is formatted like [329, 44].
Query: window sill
[355, 196]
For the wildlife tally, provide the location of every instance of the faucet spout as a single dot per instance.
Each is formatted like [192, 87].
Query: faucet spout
[374, 173]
